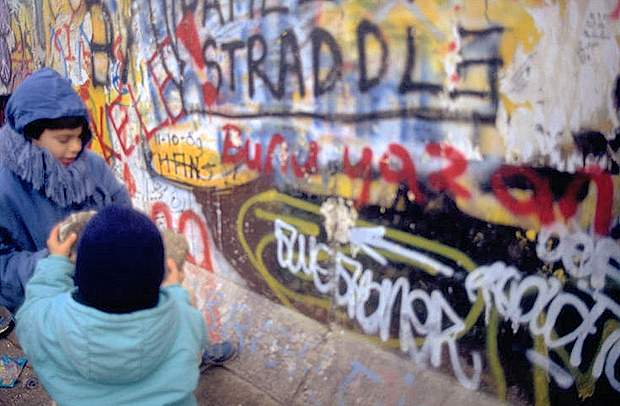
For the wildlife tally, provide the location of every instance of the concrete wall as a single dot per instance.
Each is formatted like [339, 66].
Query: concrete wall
[438, 176]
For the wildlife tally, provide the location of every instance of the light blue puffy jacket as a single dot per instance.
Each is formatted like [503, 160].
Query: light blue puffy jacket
[83, 356]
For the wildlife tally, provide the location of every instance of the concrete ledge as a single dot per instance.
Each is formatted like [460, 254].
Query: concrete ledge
[293, 359]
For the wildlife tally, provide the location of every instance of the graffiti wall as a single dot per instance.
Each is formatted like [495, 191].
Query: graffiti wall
[439, 176]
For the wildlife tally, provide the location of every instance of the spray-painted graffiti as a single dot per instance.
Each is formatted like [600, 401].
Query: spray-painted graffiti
[397, 165]
[300, 55]
[504, 289]
[441, 324]
[427, 298]
[407, 167]
[581, 255]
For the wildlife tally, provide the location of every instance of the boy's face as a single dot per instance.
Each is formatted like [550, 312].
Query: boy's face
[64, 144]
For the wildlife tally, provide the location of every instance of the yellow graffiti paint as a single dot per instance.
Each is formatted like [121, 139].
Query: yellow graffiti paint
[531, 235]
[541, 378]
[585, 382]
[95, 101]
[511, 106]
[492, 354]
[486, 207]
[195, 166]
[560, 275]
[306, 227]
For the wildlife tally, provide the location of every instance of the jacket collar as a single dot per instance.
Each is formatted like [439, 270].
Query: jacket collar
[64, 185]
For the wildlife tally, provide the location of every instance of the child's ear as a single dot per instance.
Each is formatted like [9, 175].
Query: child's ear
[173, 276]
[171, 266]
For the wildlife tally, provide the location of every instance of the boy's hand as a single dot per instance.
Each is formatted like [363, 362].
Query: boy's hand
[173, 275]
[56, 247]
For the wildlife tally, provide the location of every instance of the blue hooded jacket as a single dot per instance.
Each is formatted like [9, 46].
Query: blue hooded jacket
[37, 191]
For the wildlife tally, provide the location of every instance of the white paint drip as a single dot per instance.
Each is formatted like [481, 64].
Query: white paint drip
[340, 216]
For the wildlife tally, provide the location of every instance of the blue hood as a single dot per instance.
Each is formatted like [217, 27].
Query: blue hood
[43, 94]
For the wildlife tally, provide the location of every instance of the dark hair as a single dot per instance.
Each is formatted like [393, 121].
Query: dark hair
[34, 129]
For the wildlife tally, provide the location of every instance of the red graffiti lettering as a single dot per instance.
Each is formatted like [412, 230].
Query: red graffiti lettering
[187, 33]
[539, 203]
[604, 199]
[118, 115]
[276, 140]
[165, 83]
[253, 162]
[568, 202]
[615, 15]
[362, 169]
[189, 217]
[445, 179]
[406, 172]
[396, 166]
[310, 166]
[129, 181]
[106, 149]
[234, 151]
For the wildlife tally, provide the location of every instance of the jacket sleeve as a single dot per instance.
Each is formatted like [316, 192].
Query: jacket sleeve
[180, 294]
[114, 189]
[16, 268]
[120, 195]
[53, 275]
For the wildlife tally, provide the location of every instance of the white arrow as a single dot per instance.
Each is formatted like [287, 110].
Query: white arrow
[369, 238]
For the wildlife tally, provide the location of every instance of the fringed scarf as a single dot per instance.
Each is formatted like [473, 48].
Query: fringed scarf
[64, 185]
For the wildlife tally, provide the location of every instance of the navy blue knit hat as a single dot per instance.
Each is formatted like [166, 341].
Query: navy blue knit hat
[120, 261]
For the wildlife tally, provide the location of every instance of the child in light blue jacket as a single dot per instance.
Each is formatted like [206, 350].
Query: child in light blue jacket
[114, 336]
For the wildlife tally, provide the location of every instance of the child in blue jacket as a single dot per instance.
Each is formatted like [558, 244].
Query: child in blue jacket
[45, 174]
[114, 337]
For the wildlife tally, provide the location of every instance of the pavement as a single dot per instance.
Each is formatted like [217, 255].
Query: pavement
[286, 358]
